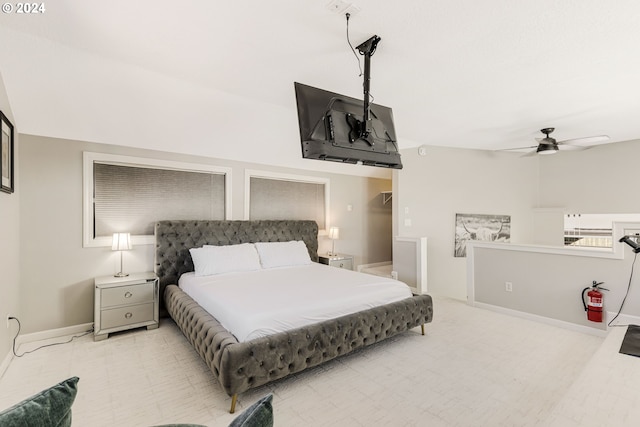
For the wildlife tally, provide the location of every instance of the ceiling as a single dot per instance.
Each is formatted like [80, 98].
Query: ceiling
[216, 78]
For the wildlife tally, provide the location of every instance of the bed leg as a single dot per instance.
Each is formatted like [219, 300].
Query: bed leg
[234, 399]
[422, 327]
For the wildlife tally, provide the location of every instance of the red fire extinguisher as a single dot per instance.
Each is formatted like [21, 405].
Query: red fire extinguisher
[595, 301]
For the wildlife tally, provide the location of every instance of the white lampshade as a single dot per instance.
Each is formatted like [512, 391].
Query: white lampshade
[121, 242]
[334, 233]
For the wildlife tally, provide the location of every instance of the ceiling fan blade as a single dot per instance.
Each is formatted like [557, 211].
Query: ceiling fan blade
[586, 141]
[567, 147]
[519, 148]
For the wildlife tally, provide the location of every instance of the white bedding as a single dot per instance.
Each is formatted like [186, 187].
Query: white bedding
[259, 303]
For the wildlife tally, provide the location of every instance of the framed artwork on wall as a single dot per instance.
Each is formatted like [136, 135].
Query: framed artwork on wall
[6, 148]
[488, 228]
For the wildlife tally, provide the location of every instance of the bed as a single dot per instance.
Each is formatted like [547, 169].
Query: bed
[242, 365]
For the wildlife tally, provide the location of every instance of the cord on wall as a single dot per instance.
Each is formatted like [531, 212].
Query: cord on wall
[610, 324]
[42, 346]
[348, 15]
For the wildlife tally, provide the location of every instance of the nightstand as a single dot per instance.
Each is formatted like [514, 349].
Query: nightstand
[340, 261]
[122, 303]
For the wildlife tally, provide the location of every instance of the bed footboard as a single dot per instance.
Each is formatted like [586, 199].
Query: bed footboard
[242, 366]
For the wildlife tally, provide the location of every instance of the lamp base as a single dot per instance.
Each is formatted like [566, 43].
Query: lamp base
[121, 274]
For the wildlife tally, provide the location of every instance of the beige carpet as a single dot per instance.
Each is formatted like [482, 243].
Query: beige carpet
[473, 368]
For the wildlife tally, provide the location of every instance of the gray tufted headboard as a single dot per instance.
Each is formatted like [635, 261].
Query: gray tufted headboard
[175, 238]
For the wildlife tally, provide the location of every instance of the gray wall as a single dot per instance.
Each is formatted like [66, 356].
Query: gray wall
[598, 180]
[550, 285]
[433, 188]
[9, 243]
[57, 272]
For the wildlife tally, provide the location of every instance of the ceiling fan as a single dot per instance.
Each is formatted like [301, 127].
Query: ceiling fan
[549, 145]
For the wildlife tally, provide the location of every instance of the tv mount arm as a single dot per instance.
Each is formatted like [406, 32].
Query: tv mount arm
[633, 241]
[364, 128]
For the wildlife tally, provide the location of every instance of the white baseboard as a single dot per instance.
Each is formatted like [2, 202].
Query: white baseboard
[54, 333]
[542, 319]
[623, 319]
[41, 336]
[373, 265]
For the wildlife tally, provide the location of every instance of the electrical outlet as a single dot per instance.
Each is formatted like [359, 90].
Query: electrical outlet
[508, 286]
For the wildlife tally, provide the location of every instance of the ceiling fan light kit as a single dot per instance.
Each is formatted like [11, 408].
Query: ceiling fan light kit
[547, 149]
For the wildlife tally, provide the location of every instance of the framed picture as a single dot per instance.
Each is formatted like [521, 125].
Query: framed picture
[488, 228]
[6, 148]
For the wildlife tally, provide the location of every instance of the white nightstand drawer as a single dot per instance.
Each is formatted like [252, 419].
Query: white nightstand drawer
[342, 263]
[116, 317]
[132, 294]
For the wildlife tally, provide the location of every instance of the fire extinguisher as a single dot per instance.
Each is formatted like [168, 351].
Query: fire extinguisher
[595, 301]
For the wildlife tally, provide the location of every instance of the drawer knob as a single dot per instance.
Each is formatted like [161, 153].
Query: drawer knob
[129, 315]
[128, 294]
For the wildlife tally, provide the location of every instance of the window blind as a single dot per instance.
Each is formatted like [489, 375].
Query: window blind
[283, 199]
[131, 199]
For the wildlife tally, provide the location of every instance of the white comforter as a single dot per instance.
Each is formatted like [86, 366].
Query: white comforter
[264, 302]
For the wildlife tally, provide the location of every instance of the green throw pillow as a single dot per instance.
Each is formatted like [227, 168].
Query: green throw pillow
[260, 414]
[50, 407]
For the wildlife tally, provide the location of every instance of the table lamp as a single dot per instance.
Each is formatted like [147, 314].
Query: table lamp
[334, 234]
[121, 242]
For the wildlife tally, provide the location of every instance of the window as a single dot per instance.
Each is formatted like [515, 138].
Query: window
[593, 230]
[129, 194]
[271, 195]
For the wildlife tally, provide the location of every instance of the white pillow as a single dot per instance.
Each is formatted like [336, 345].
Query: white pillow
[209, 260]
[283, 254]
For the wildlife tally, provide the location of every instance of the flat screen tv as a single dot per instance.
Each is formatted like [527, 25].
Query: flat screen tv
[332, 128]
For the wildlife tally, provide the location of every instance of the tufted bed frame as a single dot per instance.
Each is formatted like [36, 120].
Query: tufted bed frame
[242, 366]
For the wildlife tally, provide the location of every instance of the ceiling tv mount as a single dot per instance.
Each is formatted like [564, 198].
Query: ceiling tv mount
[362, 129]
[340, 128]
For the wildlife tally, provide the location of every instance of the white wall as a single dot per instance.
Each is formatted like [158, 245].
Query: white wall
[603, 179]
[434, 187]
[9, 243]
[57, 272]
